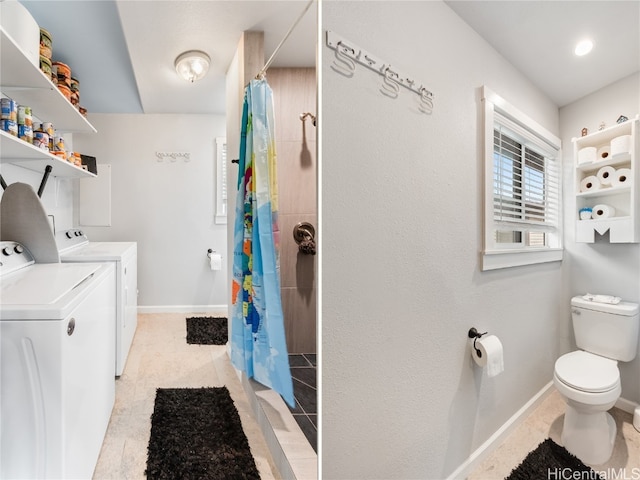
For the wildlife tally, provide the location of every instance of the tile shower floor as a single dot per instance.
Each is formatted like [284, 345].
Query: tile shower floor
[303, 372]
[161, 357]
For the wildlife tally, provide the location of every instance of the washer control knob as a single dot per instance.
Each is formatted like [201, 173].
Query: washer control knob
[71, 326]
[69, 234]
[7, 251]
[18, 249]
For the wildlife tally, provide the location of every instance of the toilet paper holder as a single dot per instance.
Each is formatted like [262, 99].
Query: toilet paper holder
[473, 333]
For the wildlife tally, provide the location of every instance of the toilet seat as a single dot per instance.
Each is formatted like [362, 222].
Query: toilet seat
[587, 372]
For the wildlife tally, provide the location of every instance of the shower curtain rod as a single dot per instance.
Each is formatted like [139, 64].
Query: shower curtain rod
[273, 55]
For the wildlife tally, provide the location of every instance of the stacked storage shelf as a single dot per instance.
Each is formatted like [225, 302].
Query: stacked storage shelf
[27, 85]
[618, 191]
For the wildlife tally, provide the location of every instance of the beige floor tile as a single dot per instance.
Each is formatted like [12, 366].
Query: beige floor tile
[546, 422]
[161, 358]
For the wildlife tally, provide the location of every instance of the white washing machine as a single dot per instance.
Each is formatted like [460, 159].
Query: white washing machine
[74, 246]
[57, 351]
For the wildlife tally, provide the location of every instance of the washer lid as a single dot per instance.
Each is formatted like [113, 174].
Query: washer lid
[44, 283]
[587, 372]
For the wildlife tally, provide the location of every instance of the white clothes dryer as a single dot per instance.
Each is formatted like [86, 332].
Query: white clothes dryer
[56, 364]
[74, 246]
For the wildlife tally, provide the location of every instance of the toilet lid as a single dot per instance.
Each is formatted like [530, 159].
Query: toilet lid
[587, 372]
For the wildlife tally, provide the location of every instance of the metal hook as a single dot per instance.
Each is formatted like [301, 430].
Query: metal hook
[426, 101]
[348, 66]
[390, 87]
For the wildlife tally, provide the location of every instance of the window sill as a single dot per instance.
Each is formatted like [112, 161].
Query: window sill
[516, 258]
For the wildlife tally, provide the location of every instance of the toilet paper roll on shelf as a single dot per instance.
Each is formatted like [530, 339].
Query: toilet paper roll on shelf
[621, 178]
[602, 212]
[587, 155]
[605, 175]
[603, 152]
[590, 183]
[621, 145]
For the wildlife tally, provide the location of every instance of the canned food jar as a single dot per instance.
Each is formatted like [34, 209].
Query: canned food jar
[62, 72]
[24, 116]
[65, 91]
[75, 98]
[46, 43]
[41, 140]
[25, 132]
[60, 155]
[75, 85]
[10, 127]
[58, 144]
[47, 127]
[9, 109]
[82, 110]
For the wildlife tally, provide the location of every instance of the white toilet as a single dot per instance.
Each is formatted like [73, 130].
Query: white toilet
[589, 379]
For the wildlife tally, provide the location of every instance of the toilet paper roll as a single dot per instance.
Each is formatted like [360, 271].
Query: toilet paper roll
[604, 152]
[602, 211]
[605, 175]
[589, 184]
[215, 261]
[621, 145]
[587, 155]
[621, 178]
[488, 353]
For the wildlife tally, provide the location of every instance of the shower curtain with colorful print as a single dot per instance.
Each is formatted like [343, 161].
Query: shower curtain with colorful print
[258, 345]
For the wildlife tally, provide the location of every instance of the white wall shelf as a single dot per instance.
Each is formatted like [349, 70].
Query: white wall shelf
[27, 85]
[624, 225]
[17, 152]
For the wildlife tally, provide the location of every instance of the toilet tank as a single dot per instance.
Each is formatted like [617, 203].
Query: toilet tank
[607, 330]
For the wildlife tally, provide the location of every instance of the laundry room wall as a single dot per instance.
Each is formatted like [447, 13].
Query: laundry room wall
[167, 206]
[600, 267]
[401, 214]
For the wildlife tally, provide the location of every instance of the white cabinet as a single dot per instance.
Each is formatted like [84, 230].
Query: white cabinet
[27, 85]
[606, 181]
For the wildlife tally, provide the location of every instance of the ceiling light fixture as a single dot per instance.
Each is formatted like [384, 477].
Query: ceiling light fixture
[583, 47]
[192, 65]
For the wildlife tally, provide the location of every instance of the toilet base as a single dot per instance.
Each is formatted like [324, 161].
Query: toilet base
[589, 436]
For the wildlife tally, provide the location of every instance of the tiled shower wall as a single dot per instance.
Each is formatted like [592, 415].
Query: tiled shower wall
[294, 92]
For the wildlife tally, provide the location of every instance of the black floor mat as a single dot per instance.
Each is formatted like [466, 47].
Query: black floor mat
[207, 330]
[196, 433]
[550, 460]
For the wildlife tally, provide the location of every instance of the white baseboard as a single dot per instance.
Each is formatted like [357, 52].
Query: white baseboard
[627, 405]
[221, 310]
[497, 438]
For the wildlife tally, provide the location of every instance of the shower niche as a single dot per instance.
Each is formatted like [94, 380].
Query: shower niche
[606, 183]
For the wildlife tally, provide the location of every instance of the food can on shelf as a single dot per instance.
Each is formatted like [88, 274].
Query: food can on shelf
[60, 155]
[46, 43]
[45, 65]
[9, 110]
[75, 85]
[63, 73]
[58, 144]
[82, 110]
[47, 127]
[41, 140]
[75, 99]
[10, 127]
[65, 91]
[25, 132]
[24, 116]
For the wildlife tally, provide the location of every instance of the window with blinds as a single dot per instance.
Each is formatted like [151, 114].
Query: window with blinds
[522, 188]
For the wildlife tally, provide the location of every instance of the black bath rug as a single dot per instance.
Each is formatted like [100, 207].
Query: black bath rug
[207, 330]
[550, 460]
[196, 433]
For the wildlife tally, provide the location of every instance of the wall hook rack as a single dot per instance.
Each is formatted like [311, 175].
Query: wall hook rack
[393, 79]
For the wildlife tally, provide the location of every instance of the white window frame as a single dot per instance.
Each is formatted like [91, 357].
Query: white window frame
[221, 181]
[496, 255]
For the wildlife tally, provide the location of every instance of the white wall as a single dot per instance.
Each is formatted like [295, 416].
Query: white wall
[167, 207]
[401, 209]
[600, 267]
